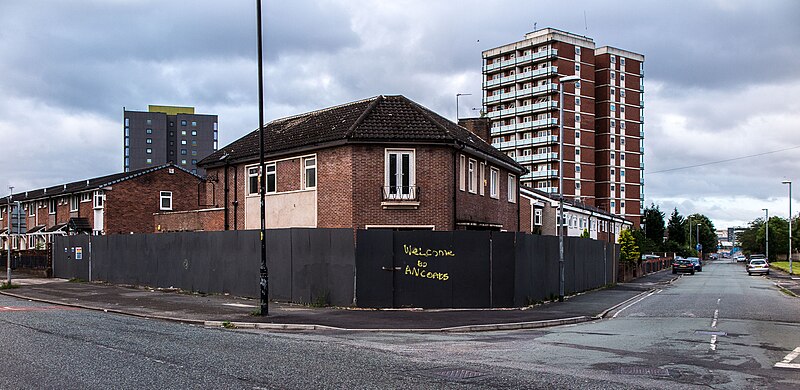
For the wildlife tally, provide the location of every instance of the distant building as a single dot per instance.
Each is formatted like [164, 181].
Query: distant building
[167, 134]
[603, 117]
[121, 203]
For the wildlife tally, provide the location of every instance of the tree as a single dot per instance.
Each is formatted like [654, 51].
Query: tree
[645, 244]
[628, 252]
[585, 233]
[676, 228]
[707, 233]
[653, 221]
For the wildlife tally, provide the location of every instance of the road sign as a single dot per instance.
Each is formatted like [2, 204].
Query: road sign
[79, 253]
[699, 247]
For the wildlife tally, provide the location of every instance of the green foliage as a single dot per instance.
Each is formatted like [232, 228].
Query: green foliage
[585, 233]
[228, 325]
[6, 285]
[653, 221]
[676, 228]
[645, 244]
[784, 265]
[708, 234]
[629, 251]
[753, 238]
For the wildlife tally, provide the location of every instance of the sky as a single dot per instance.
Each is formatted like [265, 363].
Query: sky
[721, 78]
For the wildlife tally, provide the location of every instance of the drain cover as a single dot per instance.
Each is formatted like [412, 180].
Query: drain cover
[458, 373]
[649, 371]
[711, 333]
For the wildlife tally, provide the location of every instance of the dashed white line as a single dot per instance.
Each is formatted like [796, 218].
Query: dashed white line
[633, 303]
[787, 361]
[718, 299]
[716, 317]
[713, 342]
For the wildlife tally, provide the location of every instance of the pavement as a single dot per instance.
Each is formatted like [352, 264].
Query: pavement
[230, 311]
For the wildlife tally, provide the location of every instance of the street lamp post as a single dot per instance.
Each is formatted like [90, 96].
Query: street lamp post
[699, 248]
[560, 219]
[789, 182]
[766, 233]
[263, 271]
[8, 234]
[457, 96]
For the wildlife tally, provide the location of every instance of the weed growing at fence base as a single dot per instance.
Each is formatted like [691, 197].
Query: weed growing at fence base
[76, 280]
[228, 325]
[6, 286]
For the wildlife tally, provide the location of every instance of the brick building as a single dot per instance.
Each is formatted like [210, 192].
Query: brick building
[121, 203]
[539, 214]
[383, 162]
[603, 117]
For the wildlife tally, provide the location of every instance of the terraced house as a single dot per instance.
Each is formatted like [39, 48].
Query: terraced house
[384, 162]
[121, 203]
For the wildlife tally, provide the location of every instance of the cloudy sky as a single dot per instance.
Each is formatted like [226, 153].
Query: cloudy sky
[721, 78]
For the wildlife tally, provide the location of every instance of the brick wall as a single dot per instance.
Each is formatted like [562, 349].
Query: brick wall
[474, 207]
[193, 220]
[335, 189]
[130, 205]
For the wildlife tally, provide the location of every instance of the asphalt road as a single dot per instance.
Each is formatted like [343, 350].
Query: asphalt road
[665, 340]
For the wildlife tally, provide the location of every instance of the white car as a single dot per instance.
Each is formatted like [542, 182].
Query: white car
[758, 266]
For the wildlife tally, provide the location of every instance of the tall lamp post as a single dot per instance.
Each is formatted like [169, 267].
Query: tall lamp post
[263, 272]
[766, 233]
[699, 248]
[8, 234]
[560, 219]
[458, 95]
[789, 182]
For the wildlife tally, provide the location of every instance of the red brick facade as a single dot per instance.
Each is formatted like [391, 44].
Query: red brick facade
[350, 184]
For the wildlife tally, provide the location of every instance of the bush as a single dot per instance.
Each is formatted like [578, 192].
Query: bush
[629, 251]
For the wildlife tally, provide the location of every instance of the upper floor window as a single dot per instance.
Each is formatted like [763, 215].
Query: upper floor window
[149, 131]
[32, 209]
[98, 199]
[512, 188]
[165, 200]
[86, 197]
[194, 124]
[73, 202]
[272, 178]
[149, 121]
[310, 172]
[183, 123]
[252, 180]
[494, 177]
[537, 217]
[472, 176]
[400, 175]
[53, 203]
[149, 141]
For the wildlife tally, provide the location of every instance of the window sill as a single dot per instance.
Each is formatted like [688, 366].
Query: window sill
[400, 204]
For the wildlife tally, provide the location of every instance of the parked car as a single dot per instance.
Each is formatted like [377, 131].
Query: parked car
[682, 265]
[757, 256]
[698, 265]
[713, 256]
[758, 266]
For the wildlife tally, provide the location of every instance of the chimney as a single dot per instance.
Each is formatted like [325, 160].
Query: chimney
[477, 126]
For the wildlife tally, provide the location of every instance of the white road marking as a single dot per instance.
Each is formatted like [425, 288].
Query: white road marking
[787, 361]
[718, 299]
[237, 305]
[633, 303]
[713, 342]
[714, 321]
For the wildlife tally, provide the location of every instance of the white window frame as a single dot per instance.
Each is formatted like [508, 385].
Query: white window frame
[472, 176]
[313, 170]
[74, 203]
[252, 172]
[99, 199]
[165, 195]
[52, 206]
[462, 185]
[482, 179]
[398, 174]
[494, 181]
[271, 174]
[32, 209]
[86, 197]
[537, 217]
[512, 188]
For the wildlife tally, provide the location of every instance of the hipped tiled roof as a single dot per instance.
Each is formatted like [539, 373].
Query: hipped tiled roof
[379, 119]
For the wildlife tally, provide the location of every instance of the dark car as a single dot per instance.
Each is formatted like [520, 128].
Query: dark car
[682, 265]
[698, 265]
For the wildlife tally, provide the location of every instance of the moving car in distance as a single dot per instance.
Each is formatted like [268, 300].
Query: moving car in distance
[682, 265]
[740, 258]
[758, 266]
[698, 265]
